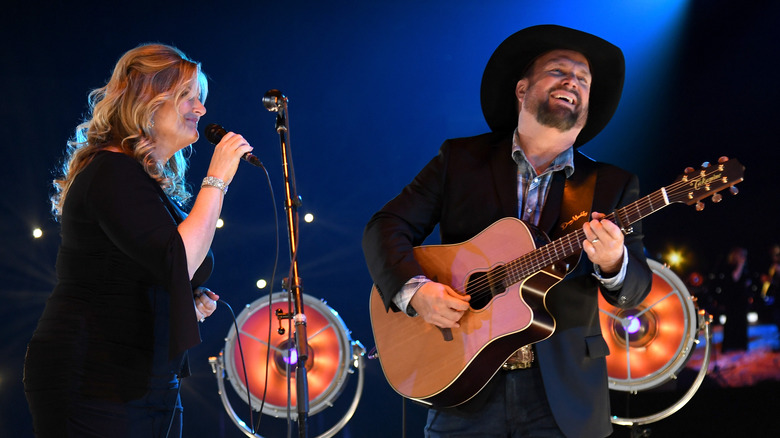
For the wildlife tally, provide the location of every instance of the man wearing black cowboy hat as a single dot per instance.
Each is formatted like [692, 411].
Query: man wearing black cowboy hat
[546, 91]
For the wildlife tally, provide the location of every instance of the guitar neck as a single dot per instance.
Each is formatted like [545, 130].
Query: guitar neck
[689, 188]
[571, 243]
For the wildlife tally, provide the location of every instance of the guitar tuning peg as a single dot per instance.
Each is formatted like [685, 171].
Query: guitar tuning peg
[717, 197]
[723, 159]
[699, 206]
[734, 190]
[688, 170]
[705, 164]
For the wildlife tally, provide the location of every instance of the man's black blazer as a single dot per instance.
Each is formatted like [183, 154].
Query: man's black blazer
[472, 183]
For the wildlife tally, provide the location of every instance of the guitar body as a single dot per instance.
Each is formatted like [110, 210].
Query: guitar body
[446, 367]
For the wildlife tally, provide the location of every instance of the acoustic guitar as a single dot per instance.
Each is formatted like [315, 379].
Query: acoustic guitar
[507, 272]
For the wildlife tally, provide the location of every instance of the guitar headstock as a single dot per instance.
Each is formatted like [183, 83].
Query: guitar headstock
[693, 186]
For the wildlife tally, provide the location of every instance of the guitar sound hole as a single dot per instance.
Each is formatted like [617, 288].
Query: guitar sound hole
[483, 286]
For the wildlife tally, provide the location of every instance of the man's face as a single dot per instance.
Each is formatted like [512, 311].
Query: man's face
[558, 90]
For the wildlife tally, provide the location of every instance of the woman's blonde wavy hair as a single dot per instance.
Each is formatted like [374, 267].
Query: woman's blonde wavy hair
[121, 114]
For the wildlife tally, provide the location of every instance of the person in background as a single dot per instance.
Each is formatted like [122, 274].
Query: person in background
[546, 91]
[733, 283]
[110, 348]
[770, 290]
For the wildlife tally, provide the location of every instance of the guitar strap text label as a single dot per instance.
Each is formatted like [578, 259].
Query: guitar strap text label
[574, 219]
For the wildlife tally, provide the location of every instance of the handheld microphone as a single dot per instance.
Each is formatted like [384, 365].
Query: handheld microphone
[214, 134]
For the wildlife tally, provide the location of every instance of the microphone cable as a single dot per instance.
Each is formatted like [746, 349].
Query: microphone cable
[175, 405]
[270, 302]
[243, 362]
[254, 426]
[270, 318]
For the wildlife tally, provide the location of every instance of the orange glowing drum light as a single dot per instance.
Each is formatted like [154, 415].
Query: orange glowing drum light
[650, 343]
[330, 352]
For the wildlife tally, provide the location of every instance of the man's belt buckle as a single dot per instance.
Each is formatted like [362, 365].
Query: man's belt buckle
[521, 359]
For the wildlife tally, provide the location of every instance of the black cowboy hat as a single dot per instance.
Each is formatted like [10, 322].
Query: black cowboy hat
[515, 55]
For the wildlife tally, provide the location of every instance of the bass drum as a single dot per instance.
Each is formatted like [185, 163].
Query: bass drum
[649, 344]
[328, 364]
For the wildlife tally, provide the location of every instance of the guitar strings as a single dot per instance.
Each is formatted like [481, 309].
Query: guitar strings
[538, 259]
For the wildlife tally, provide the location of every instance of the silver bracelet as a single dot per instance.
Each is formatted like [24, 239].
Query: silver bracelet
[211, 181]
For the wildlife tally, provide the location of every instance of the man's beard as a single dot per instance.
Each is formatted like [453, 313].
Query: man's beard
[562, 119]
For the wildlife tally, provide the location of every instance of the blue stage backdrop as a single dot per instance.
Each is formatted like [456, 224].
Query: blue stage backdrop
[373, 88]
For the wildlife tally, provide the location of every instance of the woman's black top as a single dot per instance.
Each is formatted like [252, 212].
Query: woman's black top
[121, 315]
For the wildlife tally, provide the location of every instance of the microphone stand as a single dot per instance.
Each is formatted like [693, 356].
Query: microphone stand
[275, 101]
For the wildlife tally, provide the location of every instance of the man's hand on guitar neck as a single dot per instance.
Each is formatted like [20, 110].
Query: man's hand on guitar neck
[603, 244]
[439, 305]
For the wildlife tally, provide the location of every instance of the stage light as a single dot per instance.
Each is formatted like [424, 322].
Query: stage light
[37, 233]
[331, 357]
[308, 218]
[220, 223]
[261, 284]
[650, 343]
[695, 279]
[634, 324]
[752, 317]
[675, 258]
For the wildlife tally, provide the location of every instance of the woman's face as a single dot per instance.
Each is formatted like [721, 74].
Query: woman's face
[176, 128]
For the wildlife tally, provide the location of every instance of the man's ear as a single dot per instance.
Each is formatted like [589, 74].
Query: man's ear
[520, 89]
